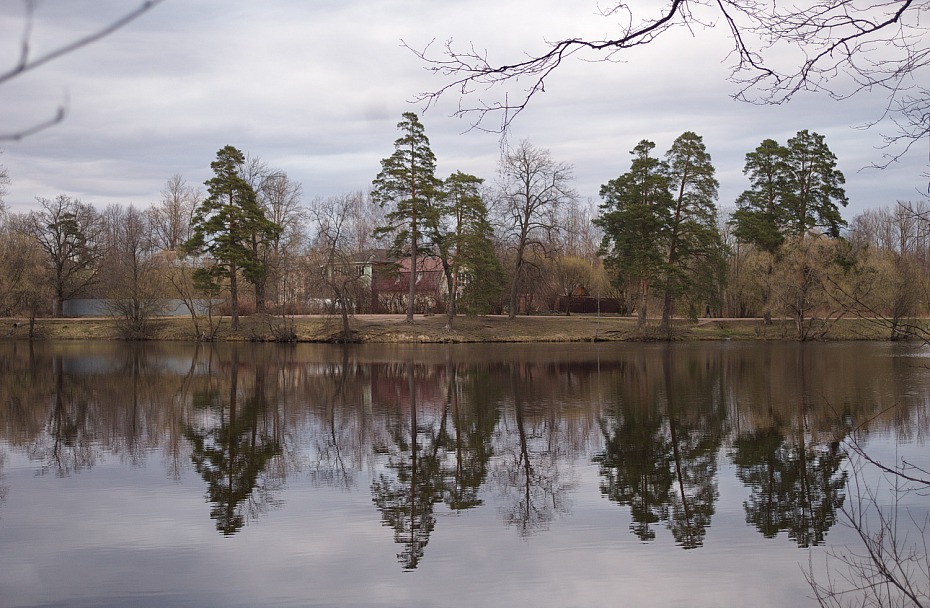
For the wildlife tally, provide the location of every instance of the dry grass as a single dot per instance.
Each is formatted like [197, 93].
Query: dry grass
[393, 328]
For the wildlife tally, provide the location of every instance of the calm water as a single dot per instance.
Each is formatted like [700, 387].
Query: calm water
[505, 475]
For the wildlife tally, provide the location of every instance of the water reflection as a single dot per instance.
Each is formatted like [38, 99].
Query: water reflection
[662, 435]
[232, 441]
[451, 429]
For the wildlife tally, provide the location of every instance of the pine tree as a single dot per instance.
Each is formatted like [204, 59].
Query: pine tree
[224, 226]
[474, 254]
[814, 186]
[635, 217]
[693, 236]
[408, 186]
[794, 189]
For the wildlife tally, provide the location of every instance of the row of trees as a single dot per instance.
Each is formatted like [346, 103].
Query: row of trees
[525, 243]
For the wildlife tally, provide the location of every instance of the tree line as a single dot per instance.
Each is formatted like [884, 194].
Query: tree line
[523, 243]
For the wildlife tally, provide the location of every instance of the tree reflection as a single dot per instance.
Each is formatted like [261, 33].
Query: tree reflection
[231, 446]
[3, 489]
[796, 483]
[406, 499]
[438, 453]
[696, 428]
[795, 487]
[635, 466]
[67, 445]
[664, 465]
[473, 419]
[528, 469]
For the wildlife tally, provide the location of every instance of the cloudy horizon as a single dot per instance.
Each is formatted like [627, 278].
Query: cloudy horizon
[317, 90]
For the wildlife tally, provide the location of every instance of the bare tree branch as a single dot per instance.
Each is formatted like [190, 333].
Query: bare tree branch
[28, 62]
[838, 47]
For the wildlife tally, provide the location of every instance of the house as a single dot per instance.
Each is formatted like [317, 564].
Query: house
[390, 286]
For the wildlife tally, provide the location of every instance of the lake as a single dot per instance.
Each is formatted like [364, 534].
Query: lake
[694, 474]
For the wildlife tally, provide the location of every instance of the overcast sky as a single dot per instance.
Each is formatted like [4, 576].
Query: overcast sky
[317, 88]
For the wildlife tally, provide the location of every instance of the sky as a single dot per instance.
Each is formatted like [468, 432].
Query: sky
[317, 88]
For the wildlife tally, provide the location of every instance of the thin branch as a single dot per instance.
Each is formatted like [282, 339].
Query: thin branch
[27, 63]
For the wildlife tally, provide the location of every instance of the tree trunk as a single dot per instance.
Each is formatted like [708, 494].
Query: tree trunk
[667, 309]
[451, 286]
[233, 298]
[518, 269]
[767, 293]
[260, 295]
[346, 331]
[412, 289]
[643, 299]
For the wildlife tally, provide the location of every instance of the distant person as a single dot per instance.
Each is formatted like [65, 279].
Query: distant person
[707, 312]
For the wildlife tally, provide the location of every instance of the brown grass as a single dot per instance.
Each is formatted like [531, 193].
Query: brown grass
[394, 329]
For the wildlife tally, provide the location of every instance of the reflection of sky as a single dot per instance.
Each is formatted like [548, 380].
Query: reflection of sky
[120, 534]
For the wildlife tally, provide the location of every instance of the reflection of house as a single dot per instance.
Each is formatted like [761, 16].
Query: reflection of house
[390, 286]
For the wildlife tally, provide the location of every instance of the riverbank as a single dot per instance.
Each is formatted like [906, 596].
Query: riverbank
[431, 329]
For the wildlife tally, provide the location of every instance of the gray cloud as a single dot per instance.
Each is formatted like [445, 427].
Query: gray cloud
[317, 89]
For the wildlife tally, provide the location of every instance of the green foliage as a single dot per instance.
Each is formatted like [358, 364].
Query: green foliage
[660, 226]
[229, 218]
[761, 210]
[796, 487]
[226, 226]
[794, 189]
[695, 249]
[407, 185]
[468, 243]
[636, 215]
[636, 218]
[815, 186]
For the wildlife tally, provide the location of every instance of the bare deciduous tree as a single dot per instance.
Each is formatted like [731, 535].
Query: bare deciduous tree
[4, 182]
[280, 198]
[68, 231]
[136, 271]
[532, 190]
[337, 252]
[23, 285]
[890, 565]
[170, 218]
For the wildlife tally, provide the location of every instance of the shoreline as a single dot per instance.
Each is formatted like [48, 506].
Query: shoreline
[431, 329]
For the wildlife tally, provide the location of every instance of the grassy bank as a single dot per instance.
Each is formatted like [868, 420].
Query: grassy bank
[393, 328]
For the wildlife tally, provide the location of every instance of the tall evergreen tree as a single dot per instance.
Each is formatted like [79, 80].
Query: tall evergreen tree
[470, 234]
[693, 236]
[814, 186]
[635, 217]
[224, 227]
[794, 189]
[760, 214]
[408, 186]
